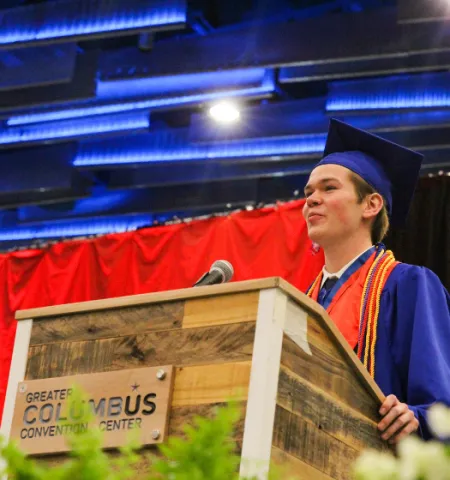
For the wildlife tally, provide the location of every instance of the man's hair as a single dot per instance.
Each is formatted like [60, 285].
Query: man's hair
[380, 226]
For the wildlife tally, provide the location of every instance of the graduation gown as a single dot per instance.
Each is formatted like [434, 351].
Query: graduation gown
[412, 352]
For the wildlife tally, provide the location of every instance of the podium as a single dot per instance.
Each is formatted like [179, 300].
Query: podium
[308, 402]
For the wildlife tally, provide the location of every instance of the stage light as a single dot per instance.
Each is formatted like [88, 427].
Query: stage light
[224, 112]
[153, 103]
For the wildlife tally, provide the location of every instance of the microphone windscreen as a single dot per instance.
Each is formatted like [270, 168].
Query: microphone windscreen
[225, 268]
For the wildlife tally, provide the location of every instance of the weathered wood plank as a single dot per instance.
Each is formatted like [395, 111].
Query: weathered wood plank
[193, 346]
[318, 335]
[220, 310]
[158, 297]
[323, 339]
[206, 384]
[184, 415]
[330, 374]
[330, 415]
[288, 466]
[108, 323]
[312, 445]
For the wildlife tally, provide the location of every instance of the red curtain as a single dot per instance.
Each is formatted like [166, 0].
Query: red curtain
[259, 243]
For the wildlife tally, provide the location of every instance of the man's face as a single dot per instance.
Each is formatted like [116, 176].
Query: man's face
[331, 211]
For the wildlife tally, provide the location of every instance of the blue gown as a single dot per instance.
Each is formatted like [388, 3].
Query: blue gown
[412, 355]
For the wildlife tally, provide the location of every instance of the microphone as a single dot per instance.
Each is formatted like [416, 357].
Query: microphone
[221, 271]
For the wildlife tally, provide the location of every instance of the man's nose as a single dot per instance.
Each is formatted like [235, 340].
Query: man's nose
[313, 199]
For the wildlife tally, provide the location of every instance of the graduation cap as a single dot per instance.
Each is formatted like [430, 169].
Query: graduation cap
[392, 170]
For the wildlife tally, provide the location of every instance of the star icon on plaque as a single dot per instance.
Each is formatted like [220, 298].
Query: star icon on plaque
[135, 387]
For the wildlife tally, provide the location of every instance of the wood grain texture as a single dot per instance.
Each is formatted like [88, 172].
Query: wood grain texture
[302, 300]
[184, 415]
[202, 292]
[313, 446]
[284, 465]
[334, 417]
[148, 298]
[205, 384]
[115, 322]
[221, 309]
[329, 373]
[194, 346]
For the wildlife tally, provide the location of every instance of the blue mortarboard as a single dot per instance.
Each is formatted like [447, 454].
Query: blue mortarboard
[390, 169]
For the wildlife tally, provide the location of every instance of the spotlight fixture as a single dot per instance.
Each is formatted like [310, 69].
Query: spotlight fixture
[224, 112]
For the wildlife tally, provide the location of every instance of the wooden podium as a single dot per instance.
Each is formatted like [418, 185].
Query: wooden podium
[308, 402]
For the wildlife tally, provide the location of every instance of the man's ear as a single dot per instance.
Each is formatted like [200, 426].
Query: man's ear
[373, 204]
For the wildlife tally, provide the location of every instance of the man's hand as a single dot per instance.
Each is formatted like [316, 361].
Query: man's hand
[398, 422]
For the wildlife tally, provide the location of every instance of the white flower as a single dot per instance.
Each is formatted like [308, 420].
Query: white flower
[416, 459]
[425, 460]
[438, 465]
[439, 420]
[372, 465]
[410, 452]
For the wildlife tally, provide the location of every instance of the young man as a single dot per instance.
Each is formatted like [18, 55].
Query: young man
[395, 316]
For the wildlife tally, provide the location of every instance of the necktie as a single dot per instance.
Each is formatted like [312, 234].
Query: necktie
[326, 288]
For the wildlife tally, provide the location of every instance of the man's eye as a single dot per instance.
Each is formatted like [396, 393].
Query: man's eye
[330, 187]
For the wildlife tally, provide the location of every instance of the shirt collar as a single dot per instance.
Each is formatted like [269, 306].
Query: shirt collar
[327, 275]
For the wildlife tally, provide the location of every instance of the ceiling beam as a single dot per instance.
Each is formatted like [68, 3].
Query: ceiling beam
[81, 87]
[52, 22]
[161, 175]
[424, 11]
[328, 39]
[22, 68]
[408, 63]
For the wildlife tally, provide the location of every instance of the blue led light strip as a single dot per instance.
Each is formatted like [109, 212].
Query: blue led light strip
[379, 102]
[76, 228]
[398, 92]
[74, 128]
[15, 29]
[181, 84]
[90, 156]
[138, 105]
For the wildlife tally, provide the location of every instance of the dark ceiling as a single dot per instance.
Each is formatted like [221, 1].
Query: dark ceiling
[104, 103]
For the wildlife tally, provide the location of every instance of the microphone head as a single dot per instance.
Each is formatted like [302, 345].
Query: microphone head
[224, 268]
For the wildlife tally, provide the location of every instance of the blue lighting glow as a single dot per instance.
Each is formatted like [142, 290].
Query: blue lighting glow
[267, 88]
[20, 28]
[419, 91]
[170, 85]
[90, 155]
[76, 228]
[399, 120]
[99, 203]
[74, 128]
